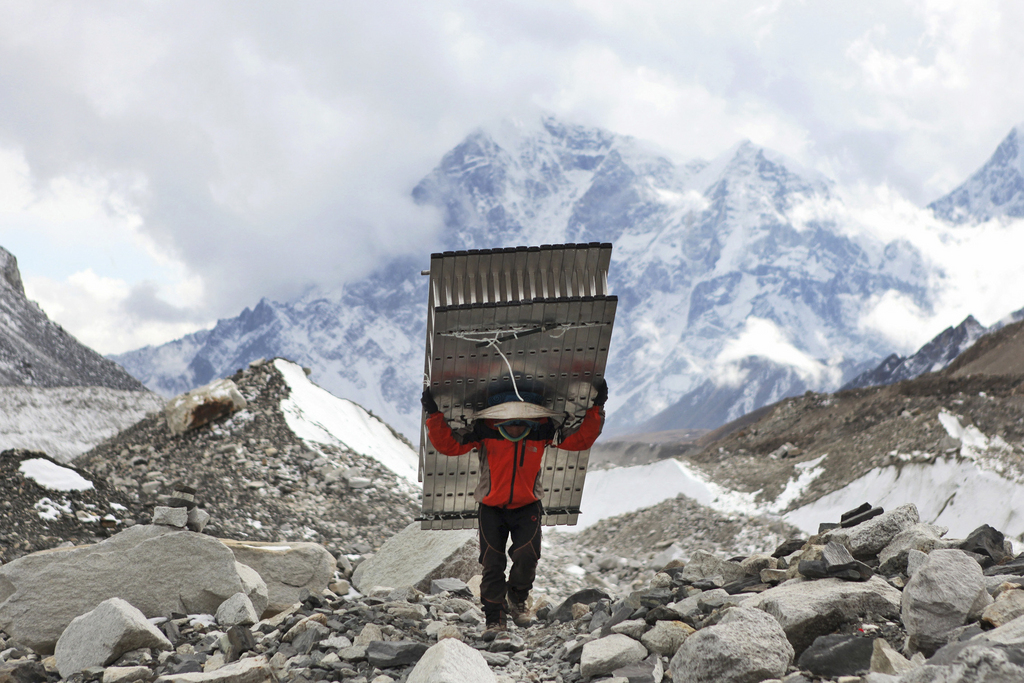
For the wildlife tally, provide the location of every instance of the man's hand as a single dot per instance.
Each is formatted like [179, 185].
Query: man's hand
[602, 392]
[429, 404]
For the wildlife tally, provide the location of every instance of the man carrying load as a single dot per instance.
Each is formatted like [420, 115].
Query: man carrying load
[511, 435]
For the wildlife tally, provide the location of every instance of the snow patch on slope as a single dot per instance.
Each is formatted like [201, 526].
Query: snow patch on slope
[52, 476]
[65, 422]
[620, 490]
[961, 491]
[951, 492]
[316, 415]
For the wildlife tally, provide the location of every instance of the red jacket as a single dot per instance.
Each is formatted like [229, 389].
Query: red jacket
[510, 471]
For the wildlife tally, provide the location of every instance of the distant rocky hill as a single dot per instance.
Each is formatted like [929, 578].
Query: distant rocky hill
[933, 356]
[35, 351]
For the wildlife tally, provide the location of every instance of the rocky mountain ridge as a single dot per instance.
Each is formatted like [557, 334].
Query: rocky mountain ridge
[939, 352]
[35, 351]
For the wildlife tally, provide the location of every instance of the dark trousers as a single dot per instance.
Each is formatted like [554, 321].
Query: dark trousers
[496, 525]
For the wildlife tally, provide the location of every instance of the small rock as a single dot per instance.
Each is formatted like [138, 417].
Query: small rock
[451, 661]
[449, 631]
[237, 609]
[885, 660]
[248, 670]
[127, 674]
[385, 654]
[564, 611]
[166, 516]
[198, 518]
[99, 637]
[370, 633]
[870, 537]
[634, 628]
[704, 565]
[666, 637]
[1007, 607]
[837, 655]
[451, 585]
[604, 655]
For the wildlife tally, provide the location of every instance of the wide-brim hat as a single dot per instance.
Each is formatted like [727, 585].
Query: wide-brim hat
[515, 410]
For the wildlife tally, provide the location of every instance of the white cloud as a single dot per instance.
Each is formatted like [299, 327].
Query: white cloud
[252, 150]
[763, 338]
[96, 309]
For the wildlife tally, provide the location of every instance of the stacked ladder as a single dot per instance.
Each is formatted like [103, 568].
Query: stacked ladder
[545, 311]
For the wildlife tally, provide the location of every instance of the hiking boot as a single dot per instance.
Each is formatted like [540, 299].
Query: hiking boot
[495, 624]
[517, 610]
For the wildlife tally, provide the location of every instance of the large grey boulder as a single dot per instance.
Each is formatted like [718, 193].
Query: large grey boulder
[704, 565]
[807, 609]
[939, 598]
[746, 646]
[157, 569]
[286, 568]
[921, 536]
[451, 661]
[99, 637]
[414, 557]
[871, 537]
[604, 655]
[200, 406]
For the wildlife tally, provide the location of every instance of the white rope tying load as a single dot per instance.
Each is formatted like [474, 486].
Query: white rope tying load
[493, 339]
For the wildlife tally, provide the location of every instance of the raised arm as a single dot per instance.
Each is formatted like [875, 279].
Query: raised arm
[593, 422]
[441, 435]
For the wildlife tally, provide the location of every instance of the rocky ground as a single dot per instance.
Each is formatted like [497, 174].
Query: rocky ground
[841, 606]
[674, 592]
[255, 478]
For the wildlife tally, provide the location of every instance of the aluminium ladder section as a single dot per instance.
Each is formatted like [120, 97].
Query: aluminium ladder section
[486, 292]
[449, 481]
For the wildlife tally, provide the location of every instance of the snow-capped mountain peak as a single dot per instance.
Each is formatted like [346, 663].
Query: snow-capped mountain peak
[993, 191]
[701, 247]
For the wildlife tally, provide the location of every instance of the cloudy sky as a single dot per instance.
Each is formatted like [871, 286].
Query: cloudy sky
[163, 164]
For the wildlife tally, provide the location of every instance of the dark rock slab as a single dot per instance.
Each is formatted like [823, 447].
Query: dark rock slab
[741, 585]
[837, 655]
[241, 640]
[986, 541]
[620, 613]
[789, 547]
[385, 654]
[859, 510]
[862, 517]
[1014, 567]
[452, 585]
[586, 596]
[22, 672]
